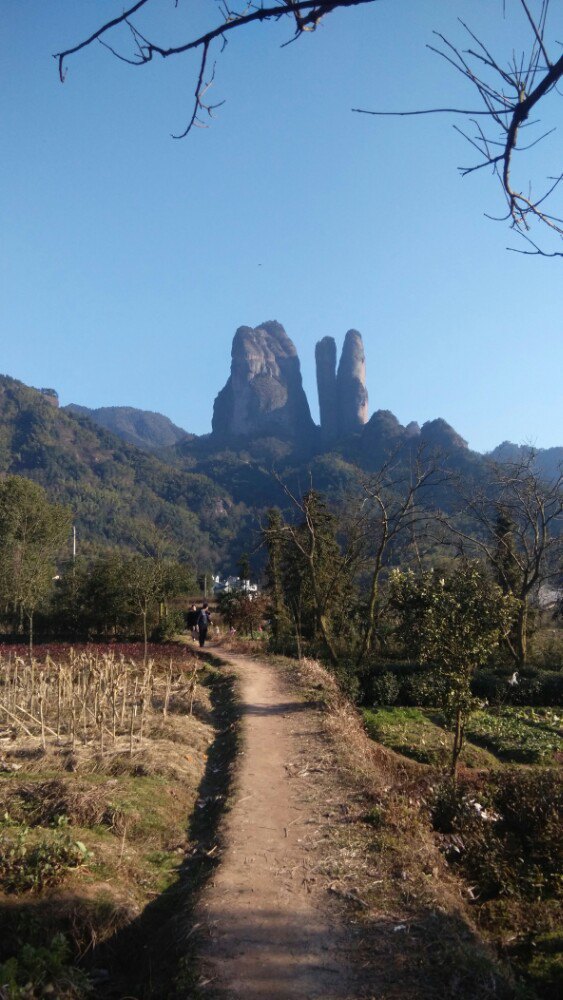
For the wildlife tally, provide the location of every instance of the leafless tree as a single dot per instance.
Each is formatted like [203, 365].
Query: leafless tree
[306, 539]
[395, 506]
[516, 522]
[509, 94]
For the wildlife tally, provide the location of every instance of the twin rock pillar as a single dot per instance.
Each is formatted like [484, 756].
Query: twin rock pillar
[343, 398]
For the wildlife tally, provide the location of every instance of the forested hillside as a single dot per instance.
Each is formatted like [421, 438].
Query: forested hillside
[118, 493]
[208, 495]
[143, 428]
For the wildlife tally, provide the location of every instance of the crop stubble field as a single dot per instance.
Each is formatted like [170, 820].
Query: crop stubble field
[103, 757]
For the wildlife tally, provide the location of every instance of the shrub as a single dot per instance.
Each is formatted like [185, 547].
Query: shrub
[27, 864]
[424, 688]
[407, 675]
[168, 627]
[346, 674]
[507, 839]
[445, 805]
[375, 817]
[491, 686]
[530, 805]
[42, 971]
[472, 842]
[553, 689]
[532, 687]
[385, 689]
[421, 685]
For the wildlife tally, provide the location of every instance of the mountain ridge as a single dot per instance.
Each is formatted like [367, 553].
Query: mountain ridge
[142, 428]
[128, 472]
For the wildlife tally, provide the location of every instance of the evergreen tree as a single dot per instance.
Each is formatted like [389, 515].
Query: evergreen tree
[455, 623]
[316, 576]
[32, 533]
[244, 567]
[275, 543]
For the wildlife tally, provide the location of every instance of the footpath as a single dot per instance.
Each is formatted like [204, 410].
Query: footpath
[331, 883]
[271, 928]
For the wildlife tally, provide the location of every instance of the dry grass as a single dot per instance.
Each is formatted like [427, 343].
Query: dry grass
[121, 749]
[412, 918]
[89, 705]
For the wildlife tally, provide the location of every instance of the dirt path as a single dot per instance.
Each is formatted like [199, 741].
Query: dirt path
[273, 933]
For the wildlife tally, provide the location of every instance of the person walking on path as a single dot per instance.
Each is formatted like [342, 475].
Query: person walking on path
[203, 623]
[191, 620]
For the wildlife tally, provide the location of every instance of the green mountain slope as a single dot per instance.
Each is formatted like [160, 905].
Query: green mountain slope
[208, 498]
[118, 494]
[143, 428]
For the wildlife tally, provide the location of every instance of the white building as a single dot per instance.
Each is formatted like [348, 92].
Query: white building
[232, 583]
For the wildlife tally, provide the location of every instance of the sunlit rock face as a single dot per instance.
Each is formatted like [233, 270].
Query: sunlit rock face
[351, 385]
[264, 394]
[325, 357]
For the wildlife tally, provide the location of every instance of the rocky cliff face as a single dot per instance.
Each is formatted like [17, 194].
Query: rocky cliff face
[343, 398]
[264, 394]
[325, 357]
[351, 385]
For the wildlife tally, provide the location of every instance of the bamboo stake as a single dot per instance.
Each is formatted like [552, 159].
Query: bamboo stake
[168, 690]
[34, 719]
[42, 721]
[133, 713]
[18, 721]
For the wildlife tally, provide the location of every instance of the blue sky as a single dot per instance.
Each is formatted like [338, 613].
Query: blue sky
[129, 259]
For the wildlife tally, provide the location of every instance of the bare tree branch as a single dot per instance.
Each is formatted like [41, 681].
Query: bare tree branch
[306, 14]
[530, 80]
[509, 92]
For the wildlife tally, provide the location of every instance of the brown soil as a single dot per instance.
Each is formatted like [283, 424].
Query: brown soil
[273, 931]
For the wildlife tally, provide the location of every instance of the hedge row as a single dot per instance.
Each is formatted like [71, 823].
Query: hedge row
[410, 684]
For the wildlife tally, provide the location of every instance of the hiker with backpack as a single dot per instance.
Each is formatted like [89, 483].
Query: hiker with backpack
[203, 623]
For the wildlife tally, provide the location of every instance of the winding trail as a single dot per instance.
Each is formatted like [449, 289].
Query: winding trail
[272, 931]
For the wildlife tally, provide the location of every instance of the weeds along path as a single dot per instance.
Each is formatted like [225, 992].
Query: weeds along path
[272, 931]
